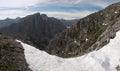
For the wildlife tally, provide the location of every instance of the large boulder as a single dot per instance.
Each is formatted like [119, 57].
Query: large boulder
[12, 56]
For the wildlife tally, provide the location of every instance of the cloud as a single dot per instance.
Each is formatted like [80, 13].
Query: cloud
[29, 3]
[14, 13]
[22, 13]
[68, 15]
[63, 3]
[99, 3]
[68, 9]
[18, 3]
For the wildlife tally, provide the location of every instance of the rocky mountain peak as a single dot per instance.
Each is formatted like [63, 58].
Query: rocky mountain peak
[90, 33]
[44, 16]
[35, 29]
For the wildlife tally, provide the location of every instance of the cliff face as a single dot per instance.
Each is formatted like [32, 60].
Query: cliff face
[90, 33]
[35, 29]
[12, 55]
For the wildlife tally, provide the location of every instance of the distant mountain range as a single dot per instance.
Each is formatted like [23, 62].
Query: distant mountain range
[50, 34]
[89, 34]
[35, 29]
[7, 22]
[69, 23]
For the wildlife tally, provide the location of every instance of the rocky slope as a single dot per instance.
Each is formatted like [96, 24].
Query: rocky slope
[35, 29]
[90, 33]
[12, 55]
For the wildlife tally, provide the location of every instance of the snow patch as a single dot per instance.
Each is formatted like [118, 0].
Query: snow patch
[105, 59]
[86, 39]
[104, 24]
[75, 41]
[115, 12]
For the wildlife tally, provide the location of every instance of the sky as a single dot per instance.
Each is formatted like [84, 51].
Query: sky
[62, 9]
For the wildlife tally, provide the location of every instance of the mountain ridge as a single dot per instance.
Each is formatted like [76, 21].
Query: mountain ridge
[36, 29]
[90, 33]
[8, 21]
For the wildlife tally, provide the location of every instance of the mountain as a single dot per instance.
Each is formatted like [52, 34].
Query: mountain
[90, 33]
[12, 56]
[7, 22]
[35, 29]
[105, 59]
[69, 23]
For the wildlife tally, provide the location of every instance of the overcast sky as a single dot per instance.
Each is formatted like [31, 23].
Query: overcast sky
[67, 9]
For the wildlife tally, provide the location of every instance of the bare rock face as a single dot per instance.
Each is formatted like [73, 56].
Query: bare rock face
[35, 29]
[118, 68]
[90, 33]
[12, 55]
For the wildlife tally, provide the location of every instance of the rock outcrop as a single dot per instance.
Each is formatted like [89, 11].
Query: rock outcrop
[90, 33]
[35, 29]
[12, 55]
[118, 68]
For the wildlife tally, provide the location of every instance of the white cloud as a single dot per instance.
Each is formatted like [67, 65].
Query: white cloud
[63, 3]
[13, 13]
[99, 3]
[22, 13]
[4, 4]
[27, 3]
[18, 3]
[67, 15]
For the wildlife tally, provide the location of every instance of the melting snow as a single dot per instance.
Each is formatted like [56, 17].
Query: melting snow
[75, 41]
[104, 24]
[105, 59]
[86, 39]
[115, 12]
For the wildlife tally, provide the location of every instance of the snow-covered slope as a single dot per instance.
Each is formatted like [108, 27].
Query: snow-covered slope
[105, 59]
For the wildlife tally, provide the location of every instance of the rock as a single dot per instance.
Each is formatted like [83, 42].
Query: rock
[12, 55]
[98, 28]
[118, 68]
[35, 29]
